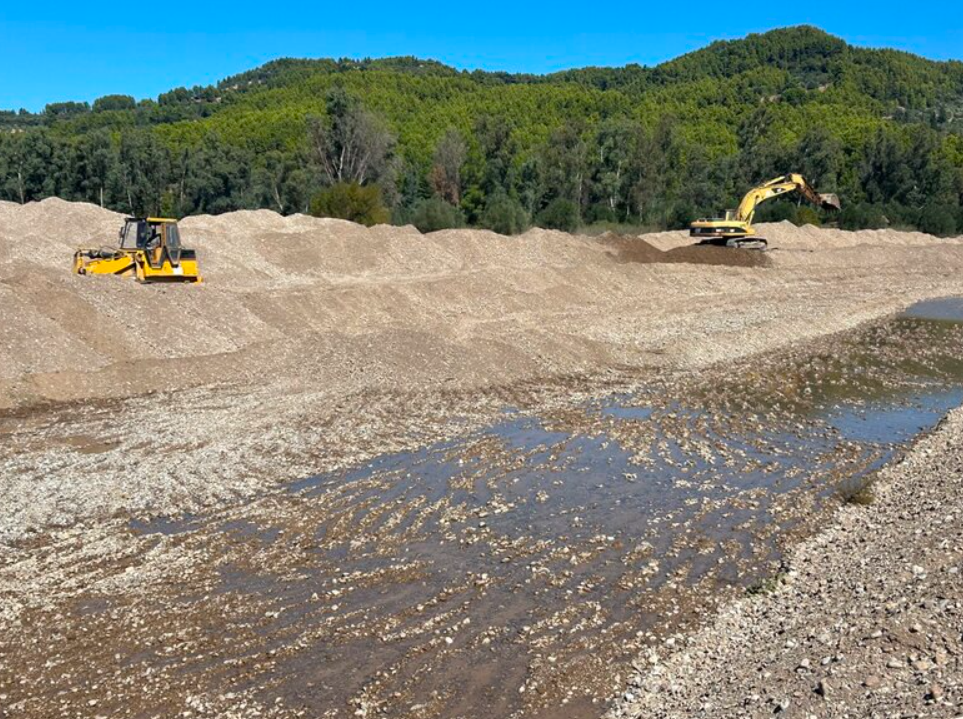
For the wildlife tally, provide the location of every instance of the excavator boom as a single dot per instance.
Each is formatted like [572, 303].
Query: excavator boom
[780, 186]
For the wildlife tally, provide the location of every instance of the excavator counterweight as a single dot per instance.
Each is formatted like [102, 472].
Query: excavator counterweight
[735, 228]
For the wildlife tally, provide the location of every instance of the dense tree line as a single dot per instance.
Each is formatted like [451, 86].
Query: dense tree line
[415, 141]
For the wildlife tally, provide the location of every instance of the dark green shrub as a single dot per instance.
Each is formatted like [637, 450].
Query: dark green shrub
[862, 217]
[600, 212]
[559, 214]
[939, 220]
[114, 102]
[504, 215]
[351, 201]
[436, 214]
[806, 216]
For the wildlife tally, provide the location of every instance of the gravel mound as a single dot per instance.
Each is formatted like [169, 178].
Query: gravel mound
[303, 323]
[638, 250]
[271, 280]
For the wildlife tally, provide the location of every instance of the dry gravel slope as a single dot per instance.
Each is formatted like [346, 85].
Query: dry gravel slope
[477, 306]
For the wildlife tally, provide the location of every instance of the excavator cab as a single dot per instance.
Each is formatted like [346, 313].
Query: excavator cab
[149, 250]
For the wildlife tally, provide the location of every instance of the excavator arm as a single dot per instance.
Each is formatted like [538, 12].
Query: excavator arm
[780, 186]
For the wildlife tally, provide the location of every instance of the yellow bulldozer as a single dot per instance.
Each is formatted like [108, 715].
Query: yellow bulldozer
[149, 251]
[736, 230]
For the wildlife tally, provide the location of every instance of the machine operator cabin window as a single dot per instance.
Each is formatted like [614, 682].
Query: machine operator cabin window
[128, 240]
[152, 232]
[173, 237]
[134, 236]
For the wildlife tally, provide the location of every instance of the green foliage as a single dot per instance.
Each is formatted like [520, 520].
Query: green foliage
[351, 201]
[504, 215]
[806, 216]
[649, 147]
[446, 169]
[776, 211]
[435, 214]
[788, 211]
[350, 144]
[61, 110]
[939, 220]
[114, 102]
[863, 216]
[559, 214]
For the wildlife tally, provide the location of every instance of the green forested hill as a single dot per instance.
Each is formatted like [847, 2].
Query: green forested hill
[648, 146]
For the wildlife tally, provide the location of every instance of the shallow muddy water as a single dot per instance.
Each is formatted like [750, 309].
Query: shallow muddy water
[517, 571]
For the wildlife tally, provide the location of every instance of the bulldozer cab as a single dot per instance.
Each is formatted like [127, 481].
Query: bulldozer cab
[156, 237]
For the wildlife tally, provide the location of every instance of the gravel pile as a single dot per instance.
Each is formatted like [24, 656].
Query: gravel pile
[334, 341]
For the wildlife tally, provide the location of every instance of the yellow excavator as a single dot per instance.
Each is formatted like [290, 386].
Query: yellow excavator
[736, 230]
[149, 251]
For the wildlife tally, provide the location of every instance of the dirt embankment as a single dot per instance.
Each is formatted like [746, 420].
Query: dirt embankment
[636, 249]
[315, 342]
[467, 305]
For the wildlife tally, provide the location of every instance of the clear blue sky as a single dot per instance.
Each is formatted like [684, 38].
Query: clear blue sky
[54, 51]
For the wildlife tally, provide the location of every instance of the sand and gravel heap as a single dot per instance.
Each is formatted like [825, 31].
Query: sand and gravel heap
[336, 342]
[542, 302]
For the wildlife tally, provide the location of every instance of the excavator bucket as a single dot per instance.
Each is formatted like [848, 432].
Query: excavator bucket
[830, 201]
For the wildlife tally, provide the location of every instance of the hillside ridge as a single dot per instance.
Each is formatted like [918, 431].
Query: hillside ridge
[649, 147]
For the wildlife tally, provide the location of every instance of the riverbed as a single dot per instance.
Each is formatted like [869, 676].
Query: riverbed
[515, 570]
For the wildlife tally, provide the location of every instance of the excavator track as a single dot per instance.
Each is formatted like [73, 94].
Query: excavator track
[749, 243]
[742, 243]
